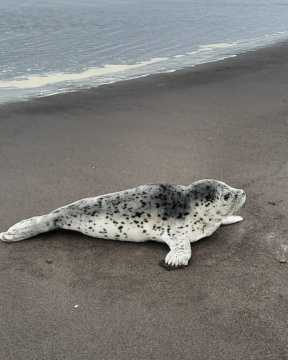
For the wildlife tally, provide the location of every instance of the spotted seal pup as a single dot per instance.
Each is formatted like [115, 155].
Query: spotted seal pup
[174, 214]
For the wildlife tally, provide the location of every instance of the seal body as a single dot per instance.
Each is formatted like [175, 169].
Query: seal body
[174, 214]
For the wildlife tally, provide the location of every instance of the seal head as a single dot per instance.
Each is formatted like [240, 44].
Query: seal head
[225, 198]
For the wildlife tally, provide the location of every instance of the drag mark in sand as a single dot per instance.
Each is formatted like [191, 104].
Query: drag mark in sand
[279, 245]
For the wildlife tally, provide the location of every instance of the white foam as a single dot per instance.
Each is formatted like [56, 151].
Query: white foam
[34, 81]
[37, 81]
[210, 47]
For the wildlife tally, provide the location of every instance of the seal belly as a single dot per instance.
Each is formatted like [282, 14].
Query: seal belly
[116, 228]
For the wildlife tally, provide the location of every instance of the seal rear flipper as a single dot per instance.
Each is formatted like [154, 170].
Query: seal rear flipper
[28, 228]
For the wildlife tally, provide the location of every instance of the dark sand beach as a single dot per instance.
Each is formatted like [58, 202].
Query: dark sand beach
[67, 296]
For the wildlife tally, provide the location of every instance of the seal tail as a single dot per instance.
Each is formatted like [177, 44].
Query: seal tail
[28, 228]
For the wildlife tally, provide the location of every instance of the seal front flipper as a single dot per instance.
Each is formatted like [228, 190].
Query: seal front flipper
[232, 219]
[179, 255]
[170, 267]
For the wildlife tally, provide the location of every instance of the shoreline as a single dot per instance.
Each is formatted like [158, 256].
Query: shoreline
[51, 78]
[233, 61]
[66, 294]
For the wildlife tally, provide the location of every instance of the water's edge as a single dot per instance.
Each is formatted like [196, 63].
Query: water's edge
[178, 78]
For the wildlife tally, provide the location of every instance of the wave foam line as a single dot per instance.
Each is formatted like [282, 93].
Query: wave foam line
[39, 81]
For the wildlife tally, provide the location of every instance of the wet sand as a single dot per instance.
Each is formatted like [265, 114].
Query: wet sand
[67, 296]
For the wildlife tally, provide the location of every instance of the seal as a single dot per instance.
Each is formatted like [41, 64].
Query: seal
[174, 214]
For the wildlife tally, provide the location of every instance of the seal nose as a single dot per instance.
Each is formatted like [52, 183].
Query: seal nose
[242, 196]
[240, 192]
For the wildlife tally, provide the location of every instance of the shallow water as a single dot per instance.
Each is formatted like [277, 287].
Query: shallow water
[51, 46]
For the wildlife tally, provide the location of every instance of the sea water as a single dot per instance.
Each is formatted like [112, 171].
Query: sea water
[53, 46]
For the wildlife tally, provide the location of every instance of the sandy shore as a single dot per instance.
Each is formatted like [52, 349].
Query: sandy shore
[226, 120]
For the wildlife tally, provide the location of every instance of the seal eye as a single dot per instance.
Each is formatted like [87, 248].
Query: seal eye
[226, 197]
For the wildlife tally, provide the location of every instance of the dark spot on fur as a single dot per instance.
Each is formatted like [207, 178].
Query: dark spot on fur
[226, 197]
